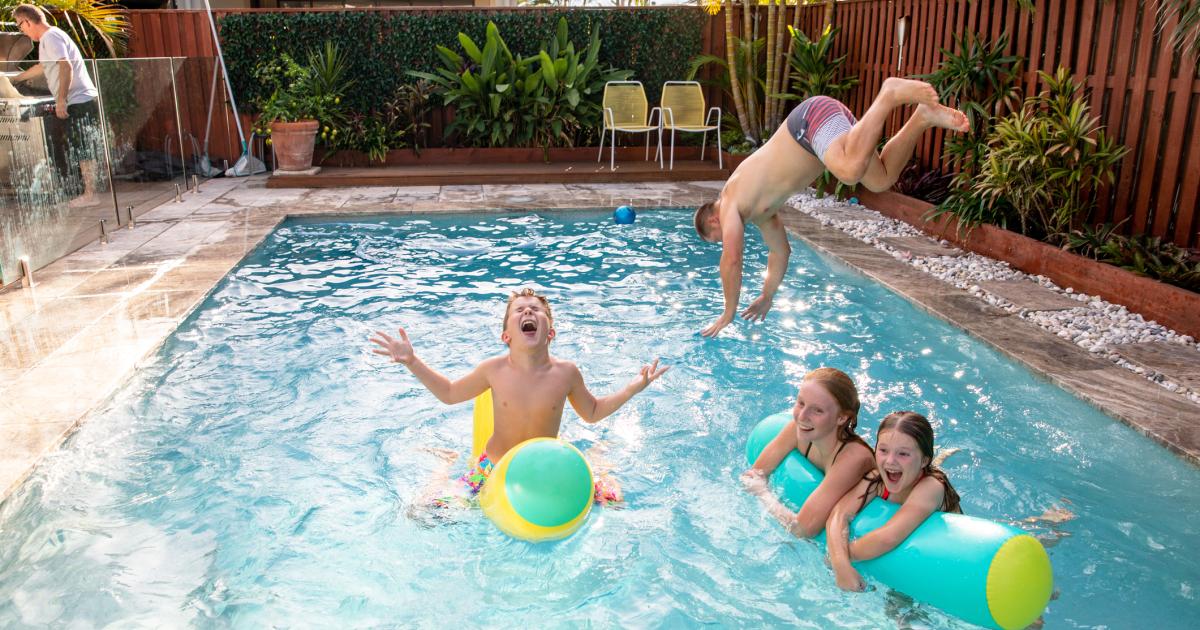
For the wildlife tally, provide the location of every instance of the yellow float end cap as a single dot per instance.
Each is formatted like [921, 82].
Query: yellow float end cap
[1019, 582]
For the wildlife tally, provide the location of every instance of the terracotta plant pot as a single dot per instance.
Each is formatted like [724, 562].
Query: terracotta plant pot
[293, 144]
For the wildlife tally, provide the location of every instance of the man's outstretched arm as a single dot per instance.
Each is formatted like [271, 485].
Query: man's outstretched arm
[733, 241]
[779, 251]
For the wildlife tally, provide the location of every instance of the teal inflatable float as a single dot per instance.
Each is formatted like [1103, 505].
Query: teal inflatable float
[984, 572]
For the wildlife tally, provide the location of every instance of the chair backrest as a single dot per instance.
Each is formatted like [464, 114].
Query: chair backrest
[627, 99]
[685, 99]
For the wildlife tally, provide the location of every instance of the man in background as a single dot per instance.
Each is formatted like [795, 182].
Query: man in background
[74, 93]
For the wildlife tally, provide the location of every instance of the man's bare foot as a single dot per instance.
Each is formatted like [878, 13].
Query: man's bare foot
[944, 117]
[82, 201]
[908, 91]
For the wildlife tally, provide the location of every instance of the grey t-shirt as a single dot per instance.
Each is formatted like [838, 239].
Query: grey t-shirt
[54, 46]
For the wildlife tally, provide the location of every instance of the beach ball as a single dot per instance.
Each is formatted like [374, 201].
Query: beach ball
[624, 215]
[540, 490]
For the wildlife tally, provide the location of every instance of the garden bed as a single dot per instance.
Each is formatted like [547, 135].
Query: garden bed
[1168, 305]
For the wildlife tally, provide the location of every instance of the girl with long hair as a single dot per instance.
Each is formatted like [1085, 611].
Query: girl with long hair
[822, 431]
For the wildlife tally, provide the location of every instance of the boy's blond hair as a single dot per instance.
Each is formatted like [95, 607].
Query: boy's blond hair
[526, 292]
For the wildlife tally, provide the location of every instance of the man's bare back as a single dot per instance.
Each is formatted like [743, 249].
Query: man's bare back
[763, 182]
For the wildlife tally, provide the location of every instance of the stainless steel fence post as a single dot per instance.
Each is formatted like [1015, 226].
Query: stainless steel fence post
[178, 120]
[26, 273]
[104, 136]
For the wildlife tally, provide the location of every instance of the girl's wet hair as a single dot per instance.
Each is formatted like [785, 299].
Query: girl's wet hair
[527, 292]
[839, 385]
[917, 427]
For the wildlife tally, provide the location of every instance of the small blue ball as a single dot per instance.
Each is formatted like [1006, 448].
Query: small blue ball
[624, 215]
[853, 201]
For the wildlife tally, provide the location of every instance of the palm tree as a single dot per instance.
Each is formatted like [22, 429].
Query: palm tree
[86, 20]
[1187, 32]
[742, 51]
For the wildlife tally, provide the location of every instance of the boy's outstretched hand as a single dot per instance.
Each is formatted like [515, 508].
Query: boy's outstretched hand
[399, 350]
[649, 374]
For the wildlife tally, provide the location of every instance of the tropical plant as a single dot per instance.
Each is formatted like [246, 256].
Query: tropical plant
[501, 99]
[1047, 159]
[412, 106]
[931, 186]
[372, 135]
[305, 92]
[1142, 254]
[813, 72]
[981, 80]
[95, 26]
[1187, 32]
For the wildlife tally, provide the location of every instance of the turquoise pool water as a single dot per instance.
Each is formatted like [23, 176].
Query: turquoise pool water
[257, 472]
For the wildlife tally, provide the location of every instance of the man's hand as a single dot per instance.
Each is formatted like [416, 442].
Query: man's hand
[716, 326]
[648, 374]
[399, 350]
[60, 110]
[757, 311]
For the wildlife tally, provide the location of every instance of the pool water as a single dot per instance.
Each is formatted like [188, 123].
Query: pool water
[258, 470]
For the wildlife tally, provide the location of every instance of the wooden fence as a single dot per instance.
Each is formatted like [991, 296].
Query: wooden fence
[1146, 94]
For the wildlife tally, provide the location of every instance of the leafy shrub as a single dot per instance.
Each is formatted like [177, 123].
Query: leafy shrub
[813, 72]
[502, 99]
[1141, 254]
[981, 80]
[1046, 160]
[929, 186]
[382, 46]
[304, 92]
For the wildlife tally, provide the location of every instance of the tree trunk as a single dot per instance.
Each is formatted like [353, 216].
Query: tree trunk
[734, 84]
[750, 83]
[782, 67]
[828, 14]
[769, 84]
[787, 79]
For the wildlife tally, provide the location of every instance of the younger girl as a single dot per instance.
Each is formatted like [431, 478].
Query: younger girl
[822, 430]
[904, 474]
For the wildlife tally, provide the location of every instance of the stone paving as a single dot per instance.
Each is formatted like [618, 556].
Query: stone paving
[71, 341]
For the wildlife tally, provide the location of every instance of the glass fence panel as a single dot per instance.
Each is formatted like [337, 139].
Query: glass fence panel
[210, 140]
[145, 148]
[147, 133]
[54, 187]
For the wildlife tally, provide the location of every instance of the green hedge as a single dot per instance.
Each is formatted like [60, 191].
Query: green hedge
[656, 43]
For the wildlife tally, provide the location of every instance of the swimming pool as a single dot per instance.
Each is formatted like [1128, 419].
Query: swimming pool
[257, 471]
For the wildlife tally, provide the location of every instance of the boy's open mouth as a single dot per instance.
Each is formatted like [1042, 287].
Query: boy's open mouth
[528, 326]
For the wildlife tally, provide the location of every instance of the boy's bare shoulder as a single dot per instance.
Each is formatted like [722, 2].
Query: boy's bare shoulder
[492, 363]
[565, 365]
